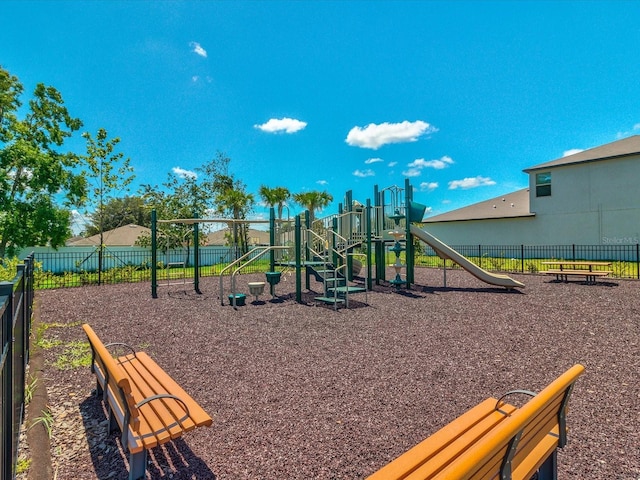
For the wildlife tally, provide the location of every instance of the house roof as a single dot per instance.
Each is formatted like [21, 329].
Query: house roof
[511, 205]
[620, 148]
[121, 237]
[256, 237]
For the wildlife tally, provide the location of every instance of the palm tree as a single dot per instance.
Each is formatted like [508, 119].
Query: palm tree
[275, 196]
[236, 201]
[312, 201]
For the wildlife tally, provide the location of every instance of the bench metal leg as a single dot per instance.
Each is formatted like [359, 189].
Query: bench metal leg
[113, 424]
[549, 469]
[137, 465]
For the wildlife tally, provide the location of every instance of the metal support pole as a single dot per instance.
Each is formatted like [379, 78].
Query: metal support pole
[368, 227]
[272, 239]
[154, 255]
[6, 440]
[196, 256]
[298, 241]
[409, 250]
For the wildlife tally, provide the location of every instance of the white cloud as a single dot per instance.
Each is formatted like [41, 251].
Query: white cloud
[428, 186]
[197, 49]
[438, 164]
[182, 173]
[374, 136]
[415, 167]
[369, 161]
[364, 173]
[573, 151]
[279, 125]
[412, 172]
[471, 182]
[322, 182]
[392, 164]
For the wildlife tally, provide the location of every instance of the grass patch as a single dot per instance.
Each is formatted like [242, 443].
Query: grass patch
[46, 419]
[23, 465]
[29, 389]
[74, 355]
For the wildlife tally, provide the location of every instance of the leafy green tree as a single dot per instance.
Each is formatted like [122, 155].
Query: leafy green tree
[34, 172]
[276, 196]
[181, 197]
[313, 201]
[118, 212]
[108, 174]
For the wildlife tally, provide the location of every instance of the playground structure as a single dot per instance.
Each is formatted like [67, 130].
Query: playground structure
[336, 248]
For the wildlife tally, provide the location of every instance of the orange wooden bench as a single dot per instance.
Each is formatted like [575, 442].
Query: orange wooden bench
[148, 406]
[494, 440]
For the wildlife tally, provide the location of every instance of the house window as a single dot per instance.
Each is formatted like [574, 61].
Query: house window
[543, 184]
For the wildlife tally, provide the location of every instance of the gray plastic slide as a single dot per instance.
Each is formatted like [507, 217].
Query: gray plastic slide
[446, 252]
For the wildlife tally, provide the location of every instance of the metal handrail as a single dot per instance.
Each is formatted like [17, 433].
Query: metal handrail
[264, 249]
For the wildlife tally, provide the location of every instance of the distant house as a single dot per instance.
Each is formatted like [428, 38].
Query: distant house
[586, 198]
[118, 237]
[221, 237]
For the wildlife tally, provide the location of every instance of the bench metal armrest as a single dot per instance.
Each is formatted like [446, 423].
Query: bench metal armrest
[121, 344]
[514, 392]
[166, 395]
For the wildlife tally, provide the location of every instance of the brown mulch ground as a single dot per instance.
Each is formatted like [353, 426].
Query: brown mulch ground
[301, 391]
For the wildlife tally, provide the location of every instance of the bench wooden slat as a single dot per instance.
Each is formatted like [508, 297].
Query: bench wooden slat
[541, 412]
[525, 467]
[513, 445]
[434, 452]
[446, 455]
[156, 416]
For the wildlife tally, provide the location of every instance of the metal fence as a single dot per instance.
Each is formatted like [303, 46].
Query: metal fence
[78, 266]
[73, 267]
[16, 303]
[625, 259]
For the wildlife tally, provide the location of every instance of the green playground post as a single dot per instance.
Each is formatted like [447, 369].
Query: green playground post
[368, 227]
[272, 239]
[196, 255]
[154, 256]
[298, 241]
[409, 250]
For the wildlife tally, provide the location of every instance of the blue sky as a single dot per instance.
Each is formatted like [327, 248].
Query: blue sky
[339, 95]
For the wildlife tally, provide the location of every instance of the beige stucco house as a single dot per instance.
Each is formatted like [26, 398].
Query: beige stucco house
[588, 198]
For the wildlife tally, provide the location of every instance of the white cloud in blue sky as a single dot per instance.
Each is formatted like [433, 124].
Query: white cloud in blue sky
[364, 173]
[322, 182]
[374, 136]
[197, 49]
[182, 173]
[471, 182]
[282, 125]
[416, 167]
[412, 172]
[369, 161]
[438, 164]
[428, 186]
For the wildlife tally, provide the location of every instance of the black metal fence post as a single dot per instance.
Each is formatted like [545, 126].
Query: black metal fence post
[6, 369]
